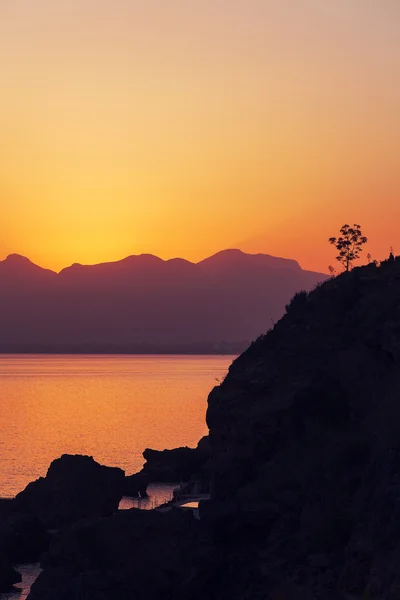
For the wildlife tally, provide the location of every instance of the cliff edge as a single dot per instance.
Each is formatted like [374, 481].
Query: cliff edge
[305, 446]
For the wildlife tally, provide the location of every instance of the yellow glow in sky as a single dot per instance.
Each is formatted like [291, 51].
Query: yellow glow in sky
[182, 127]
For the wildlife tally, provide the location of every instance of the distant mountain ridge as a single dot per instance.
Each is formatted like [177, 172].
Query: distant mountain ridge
[143, 301]
[221, 258]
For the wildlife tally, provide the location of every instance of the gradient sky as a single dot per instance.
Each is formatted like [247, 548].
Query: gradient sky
[182, 127]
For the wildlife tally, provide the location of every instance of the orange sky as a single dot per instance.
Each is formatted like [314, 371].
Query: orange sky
[182, 127]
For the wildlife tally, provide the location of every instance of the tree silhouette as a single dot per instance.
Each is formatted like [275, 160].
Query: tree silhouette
[349, 245]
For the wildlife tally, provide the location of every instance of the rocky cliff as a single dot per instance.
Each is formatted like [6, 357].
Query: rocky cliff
[305, 444]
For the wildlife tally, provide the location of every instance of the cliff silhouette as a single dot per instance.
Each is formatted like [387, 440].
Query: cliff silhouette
[145, 304]
[304, 436]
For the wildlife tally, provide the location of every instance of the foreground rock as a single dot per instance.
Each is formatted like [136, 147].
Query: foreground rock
[179, 464]
[75, 487]
[134, 554]
[8, 575]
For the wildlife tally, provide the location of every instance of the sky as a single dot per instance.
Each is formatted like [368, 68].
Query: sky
[183, 127]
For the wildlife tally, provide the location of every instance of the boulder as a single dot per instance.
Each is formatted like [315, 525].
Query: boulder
[75, 487]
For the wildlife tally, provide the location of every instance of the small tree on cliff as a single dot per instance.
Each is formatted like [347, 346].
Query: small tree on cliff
[349, 245]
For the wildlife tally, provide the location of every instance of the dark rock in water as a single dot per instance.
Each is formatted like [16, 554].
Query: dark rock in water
[23, 538]
[133, 554]
[136, 485]
[8, 575]
[179, 464]
[75, 487]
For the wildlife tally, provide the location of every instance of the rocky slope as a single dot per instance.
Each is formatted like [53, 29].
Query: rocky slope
[305, 447]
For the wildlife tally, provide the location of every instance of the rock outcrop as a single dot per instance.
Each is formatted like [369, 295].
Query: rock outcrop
[179, 464]
[75, 487]
[133, 554]
[305, 447]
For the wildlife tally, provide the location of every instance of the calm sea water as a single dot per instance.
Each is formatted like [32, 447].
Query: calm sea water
[110, 407]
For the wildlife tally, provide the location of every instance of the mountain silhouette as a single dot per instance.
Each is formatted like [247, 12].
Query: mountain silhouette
[144, 301]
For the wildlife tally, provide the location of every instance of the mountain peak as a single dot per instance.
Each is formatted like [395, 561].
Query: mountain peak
[233, 256]
[17, 259]
[21, 266]
[149, 258]
[229, 253]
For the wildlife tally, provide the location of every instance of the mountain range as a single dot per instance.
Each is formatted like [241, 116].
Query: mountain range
[143, 303]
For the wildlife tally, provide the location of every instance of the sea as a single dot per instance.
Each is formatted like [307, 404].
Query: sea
[109, 407]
